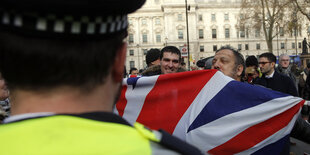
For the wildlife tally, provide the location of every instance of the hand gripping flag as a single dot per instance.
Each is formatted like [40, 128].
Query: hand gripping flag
[211, 111]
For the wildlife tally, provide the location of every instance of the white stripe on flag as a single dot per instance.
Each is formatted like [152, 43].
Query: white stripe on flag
[213, 86]
[207, 136]
[136, 97]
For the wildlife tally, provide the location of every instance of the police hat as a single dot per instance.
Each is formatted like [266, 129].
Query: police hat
[74, 18]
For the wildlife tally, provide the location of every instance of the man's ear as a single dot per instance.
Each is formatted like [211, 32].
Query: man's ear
[273, 64]
[119, 63]
[240, 70]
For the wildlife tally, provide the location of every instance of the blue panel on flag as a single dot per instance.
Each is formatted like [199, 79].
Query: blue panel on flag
[132, 81]
[234, 97]
[279, 147]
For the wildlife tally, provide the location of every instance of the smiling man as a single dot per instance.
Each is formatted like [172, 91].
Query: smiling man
[170, 58]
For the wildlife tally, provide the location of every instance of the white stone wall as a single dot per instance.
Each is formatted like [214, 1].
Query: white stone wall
[167, 12]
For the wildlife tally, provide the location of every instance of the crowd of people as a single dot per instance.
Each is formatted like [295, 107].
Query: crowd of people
[261, 71]
[63, 80]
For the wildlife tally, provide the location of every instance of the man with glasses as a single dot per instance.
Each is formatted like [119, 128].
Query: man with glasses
[271, 78]
[286, 68]
[231, 63]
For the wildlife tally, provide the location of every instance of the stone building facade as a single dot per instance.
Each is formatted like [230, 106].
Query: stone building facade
[211, 24]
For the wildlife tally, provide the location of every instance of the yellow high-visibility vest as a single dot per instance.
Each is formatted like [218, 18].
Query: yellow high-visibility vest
[71, 135]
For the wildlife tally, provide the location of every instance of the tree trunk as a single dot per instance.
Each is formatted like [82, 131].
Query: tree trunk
[269, 45]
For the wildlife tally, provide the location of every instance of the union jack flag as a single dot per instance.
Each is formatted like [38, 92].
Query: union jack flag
[211, 111]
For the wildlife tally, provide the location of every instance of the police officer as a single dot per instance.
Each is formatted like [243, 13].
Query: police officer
[64, 62]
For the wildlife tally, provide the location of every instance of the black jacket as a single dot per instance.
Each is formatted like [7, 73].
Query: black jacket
[278, 82]
[284, 84]
[301, 130]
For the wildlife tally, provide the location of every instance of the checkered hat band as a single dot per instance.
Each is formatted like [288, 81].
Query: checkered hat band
[84, 25]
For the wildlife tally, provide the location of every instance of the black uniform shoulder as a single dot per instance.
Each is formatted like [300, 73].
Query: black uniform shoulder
[177, 144]
[164, 143]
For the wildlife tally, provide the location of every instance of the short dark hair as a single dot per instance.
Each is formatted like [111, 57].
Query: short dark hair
[132, 69]
[251, 61]
[43, 63]
[270, 56]
[152, 55]
[308, 65]
[171, 49]
[238, 56]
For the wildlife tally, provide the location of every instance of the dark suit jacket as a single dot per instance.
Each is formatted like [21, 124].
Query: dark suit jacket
[278, 82]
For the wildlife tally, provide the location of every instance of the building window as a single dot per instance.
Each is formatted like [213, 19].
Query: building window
[144, 38]
[227, 33]
[281, 31]
[258, 46]
[246, 46]
[226, 16]
[241, 16]
[144, 51]
[202, 48]
[293, 45]
[214, 48]
[157, 21]
[282, 46]
[242, 33]
[200, 18]
[299, 45]
[200, 33]
[239, 47]
[213, 33]
[295, 32]
[257, 33]
[130, 21]
[158, 38]
[130, 39]
[213, 17]
[131, 64]
[143, 21]
[180, 34]
[180, 18]
[131, 52]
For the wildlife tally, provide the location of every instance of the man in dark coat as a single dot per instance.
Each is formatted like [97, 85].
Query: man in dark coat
[271, 78]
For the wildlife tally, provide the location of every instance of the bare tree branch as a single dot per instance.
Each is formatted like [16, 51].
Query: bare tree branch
[302, 11]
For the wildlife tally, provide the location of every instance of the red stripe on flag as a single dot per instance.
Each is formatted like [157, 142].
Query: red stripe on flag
[122, 102]
[169, 99]
[257, 133]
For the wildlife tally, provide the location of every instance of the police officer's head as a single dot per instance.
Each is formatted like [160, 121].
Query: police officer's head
[52, 43]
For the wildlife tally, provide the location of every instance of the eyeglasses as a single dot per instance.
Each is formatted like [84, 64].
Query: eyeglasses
[263, 63]
[285, 60]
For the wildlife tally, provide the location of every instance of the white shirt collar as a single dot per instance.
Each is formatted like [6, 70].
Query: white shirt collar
[26, 116]
[270, 76]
